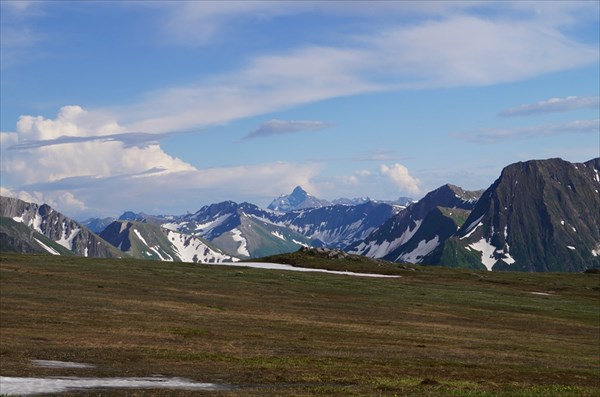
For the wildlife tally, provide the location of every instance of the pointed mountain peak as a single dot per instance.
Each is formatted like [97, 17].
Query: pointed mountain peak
[298, 199]
[299, 192]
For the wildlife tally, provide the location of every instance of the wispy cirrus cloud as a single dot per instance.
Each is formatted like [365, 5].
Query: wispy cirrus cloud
[283, 127]
[494, 135]
[554, 105]
[421, 55]
[129, 139]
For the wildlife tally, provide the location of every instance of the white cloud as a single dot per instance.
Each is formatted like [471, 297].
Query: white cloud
[195, 23]
[18, 36]
[469, 50]
[96, 158]
[553, 105]
[30, 197]
[282, 127]
[399, 174]
[454, 51]
[71, 121]
[176, 192]
[63, 201]
[493, 135]
[201, 23]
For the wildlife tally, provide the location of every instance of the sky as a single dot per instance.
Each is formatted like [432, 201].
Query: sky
[164, 107]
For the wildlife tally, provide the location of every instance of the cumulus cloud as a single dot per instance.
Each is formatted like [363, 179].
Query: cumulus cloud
[94, 170]
[400, 176]
[63, 200]
[282, 127]
[493, 135]
[76, 143]
[554, 105]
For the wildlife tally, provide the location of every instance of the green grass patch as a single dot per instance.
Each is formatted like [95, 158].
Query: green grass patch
[431, 332]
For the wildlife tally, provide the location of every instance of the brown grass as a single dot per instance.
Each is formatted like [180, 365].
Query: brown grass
[432, 332]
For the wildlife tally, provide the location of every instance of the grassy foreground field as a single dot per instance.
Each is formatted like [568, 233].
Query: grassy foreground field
[432, 332]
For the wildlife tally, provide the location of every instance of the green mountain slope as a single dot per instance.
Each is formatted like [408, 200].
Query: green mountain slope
[17, 237]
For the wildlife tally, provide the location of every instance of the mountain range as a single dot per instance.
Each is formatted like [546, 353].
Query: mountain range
[539, 215]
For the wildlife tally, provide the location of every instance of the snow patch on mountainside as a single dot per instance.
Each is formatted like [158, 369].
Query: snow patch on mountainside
[139, 235]
[191, 249]
[374, 250]
[278, 235]
[166, 258]
[242, 249]
[472, 227]
[67, 241]
[36, 222]
[49, 249]
[487, 252]
[423, 248]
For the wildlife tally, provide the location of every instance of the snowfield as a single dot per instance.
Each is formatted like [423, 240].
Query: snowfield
[16, 386]
[279, 266]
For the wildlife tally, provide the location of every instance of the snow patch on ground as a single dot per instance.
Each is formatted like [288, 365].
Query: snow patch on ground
[20, 386]
[279, 266]
[59, 364]
[242, 249]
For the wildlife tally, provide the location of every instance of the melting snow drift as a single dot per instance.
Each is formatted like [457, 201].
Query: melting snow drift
[279, 266]
[14, 386]
[59, 364]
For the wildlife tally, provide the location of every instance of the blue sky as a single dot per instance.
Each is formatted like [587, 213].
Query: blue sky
[164, 107]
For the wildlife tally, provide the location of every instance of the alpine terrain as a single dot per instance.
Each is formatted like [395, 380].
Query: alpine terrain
[298, 199]
[539, 215]
[413, 234]
[151, 241]
[54, 226]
